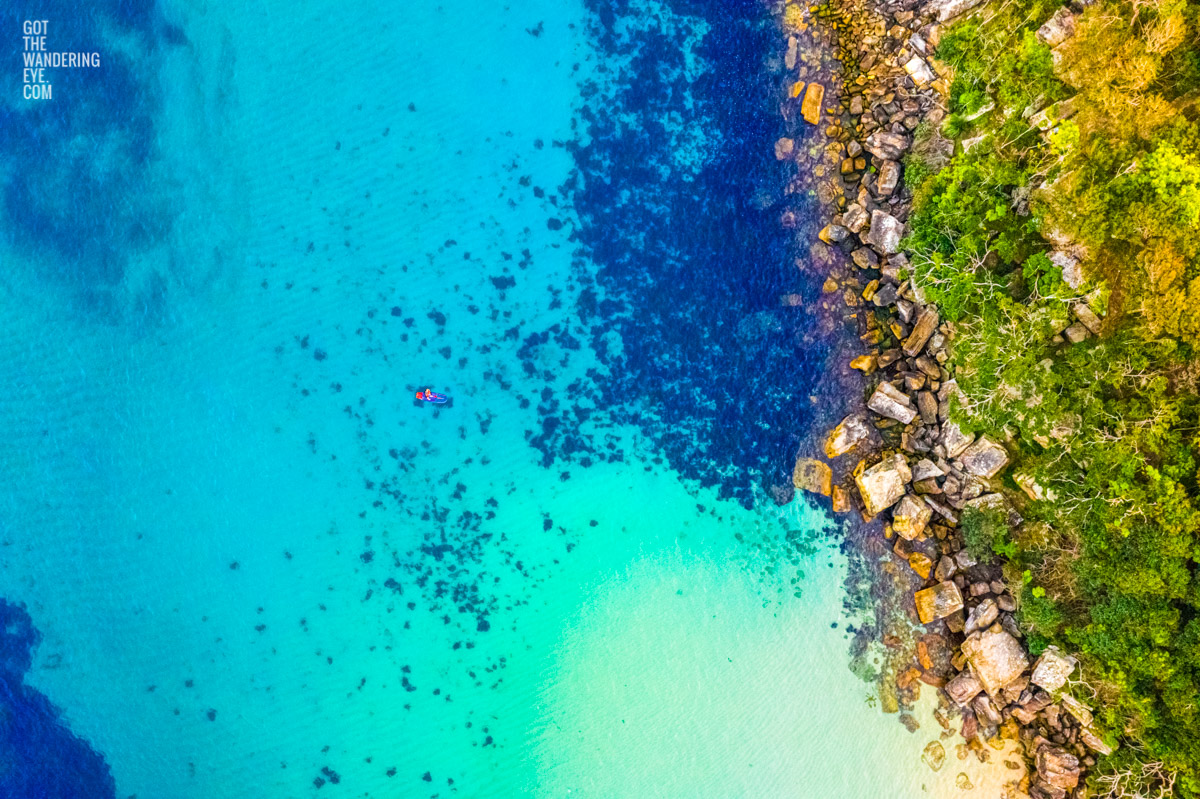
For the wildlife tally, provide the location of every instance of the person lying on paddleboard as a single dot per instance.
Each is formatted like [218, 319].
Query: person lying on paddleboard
[429, 396]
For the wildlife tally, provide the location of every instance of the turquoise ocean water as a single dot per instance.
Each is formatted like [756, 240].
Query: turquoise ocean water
[257, 567]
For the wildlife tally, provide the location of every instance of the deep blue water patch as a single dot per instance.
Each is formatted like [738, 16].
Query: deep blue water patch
[692, 262]
[39, 757]
[82, 210]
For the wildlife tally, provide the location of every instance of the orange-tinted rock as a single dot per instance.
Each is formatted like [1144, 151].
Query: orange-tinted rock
[810, 109]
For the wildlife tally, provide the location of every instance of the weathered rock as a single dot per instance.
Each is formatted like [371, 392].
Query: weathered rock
[984, 458]
[1075, 334]
[1058, 28]
[946, 569]
[833, 234]
[996, 657]
[841, 500]
[963, 688]
[1078, 710]
[812, 475]
[855, 218]
[1058, 767]
[982, 616]
[1052, 669]
[891, 402]
[885, 145]
[850, 432]
[1091, 740]
[784, 149]
[1087, 317]
[885, 233]
[810, 109]
[938, 602]
[883, 484]
[910, 518]
[925, 469]
[889, 179]
[919, 71]
[927, 322]
[986, 711]
[1072, 270]
[954, 440]
[927, 405]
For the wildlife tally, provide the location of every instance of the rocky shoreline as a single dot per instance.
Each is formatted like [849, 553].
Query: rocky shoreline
[911, 472]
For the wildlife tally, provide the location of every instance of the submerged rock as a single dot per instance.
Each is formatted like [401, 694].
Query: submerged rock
[812, 475]
[934, 755]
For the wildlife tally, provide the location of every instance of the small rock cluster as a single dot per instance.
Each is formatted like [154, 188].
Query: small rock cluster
[920, 469]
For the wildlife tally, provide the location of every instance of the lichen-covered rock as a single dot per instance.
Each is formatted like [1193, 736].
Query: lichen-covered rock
[984, 458]
[810, 109]
[1087, 317]
[938, 602]
[910, 518]
[812, 475]
[885, 233]
[920, 563]
[1052, 669]
[850, 432]
[884, 484]
[996, 658]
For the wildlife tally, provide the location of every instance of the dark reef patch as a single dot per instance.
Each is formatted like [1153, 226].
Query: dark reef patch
[678, 197]
[41, 758]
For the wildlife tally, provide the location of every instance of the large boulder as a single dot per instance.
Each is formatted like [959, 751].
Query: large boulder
[910, 517]
[812, 475]
[938, 602]
[884, 484]
[996, 657]
[885, 233]
[984, 458]
[885, 145]
[893, 403]
[850, 432]
[1052, 669]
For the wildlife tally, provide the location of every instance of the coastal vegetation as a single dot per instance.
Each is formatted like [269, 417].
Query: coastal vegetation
[1062, 242]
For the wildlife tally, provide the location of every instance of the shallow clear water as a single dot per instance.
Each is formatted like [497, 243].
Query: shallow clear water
[259, 568]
